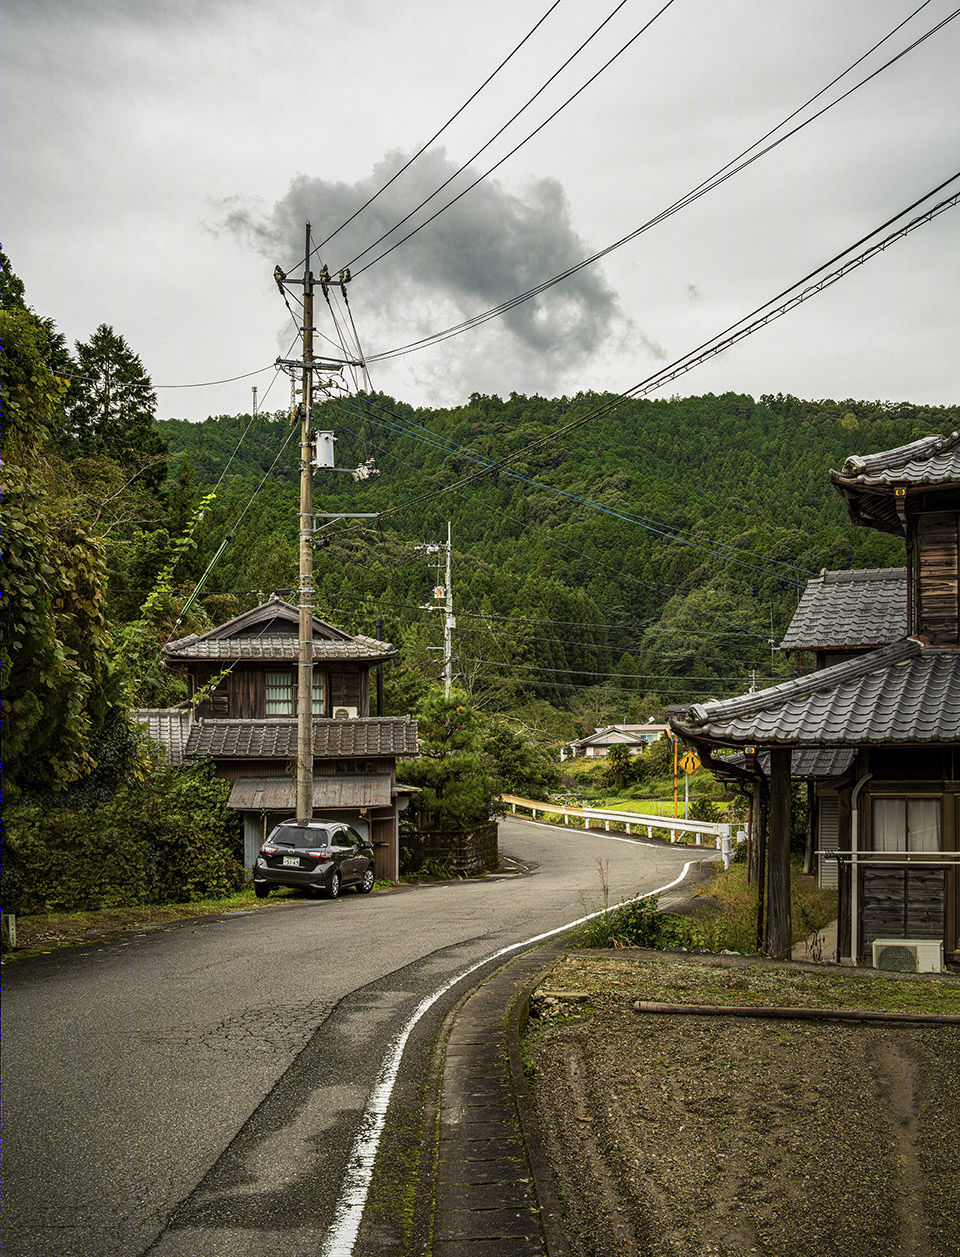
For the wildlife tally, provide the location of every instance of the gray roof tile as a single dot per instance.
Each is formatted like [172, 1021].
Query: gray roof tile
[931, 460]
[903, 694]
[273, 649]
[277, 739]
[850, 611]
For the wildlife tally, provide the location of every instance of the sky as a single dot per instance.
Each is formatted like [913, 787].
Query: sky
[160, 160]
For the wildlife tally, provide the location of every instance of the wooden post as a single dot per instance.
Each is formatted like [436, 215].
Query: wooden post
[809, 850]
[779, 931]
[844, 891]
[760, 865]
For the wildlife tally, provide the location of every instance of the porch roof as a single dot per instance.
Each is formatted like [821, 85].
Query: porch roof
[850, 610]
[279, 794]
[905, 694]
[274, 649]
[366, 737]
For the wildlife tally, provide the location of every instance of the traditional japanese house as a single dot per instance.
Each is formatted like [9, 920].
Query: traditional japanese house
[247, 724]
[892, 705]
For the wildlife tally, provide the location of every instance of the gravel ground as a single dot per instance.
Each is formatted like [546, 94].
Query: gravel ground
[695, 1135]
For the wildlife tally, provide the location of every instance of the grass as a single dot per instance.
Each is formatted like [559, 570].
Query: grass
[40, 933]
[731, 927]
[706, 981]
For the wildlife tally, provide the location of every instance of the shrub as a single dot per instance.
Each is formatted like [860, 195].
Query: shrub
[170, 839]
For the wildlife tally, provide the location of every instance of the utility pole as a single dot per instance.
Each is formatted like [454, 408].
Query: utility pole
[305, 651]
[254, 401]
[324, 458]
[449, 624]
[449, 620]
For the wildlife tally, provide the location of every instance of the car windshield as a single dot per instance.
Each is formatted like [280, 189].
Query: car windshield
[299, 836]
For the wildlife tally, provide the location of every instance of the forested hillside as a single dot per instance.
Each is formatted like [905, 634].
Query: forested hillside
[648, 554]
[616, 558]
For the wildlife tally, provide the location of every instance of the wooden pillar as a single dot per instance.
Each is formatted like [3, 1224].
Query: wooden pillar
[844, 843]
[779, 931]
[810, 847]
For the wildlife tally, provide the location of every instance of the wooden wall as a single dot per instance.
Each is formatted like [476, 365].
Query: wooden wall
[937, 577]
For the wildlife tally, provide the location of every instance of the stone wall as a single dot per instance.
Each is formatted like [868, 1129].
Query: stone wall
[470, 850]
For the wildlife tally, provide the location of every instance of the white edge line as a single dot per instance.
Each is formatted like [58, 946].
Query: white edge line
[342, 1233]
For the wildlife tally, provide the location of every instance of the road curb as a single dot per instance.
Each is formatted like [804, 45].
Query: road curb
[489, 1187]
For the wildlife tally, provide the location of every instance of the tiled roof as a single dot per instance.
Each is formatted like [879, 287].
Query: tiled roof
[850, 610]
[279, 794]
[931, 460]
[277, 739]
[903, 694]
[867, 483]
[818, 764]
[170, 726]
[273, 649]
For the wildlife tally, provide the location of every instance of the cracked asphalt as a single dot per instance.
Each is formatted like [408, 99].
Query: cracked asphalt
[197, 1088]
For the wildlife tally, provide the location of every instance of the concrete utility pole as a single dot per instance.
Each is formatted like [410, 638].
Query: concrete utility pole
[449, 624]
[305, 652]
[449, 620]
[324, 458]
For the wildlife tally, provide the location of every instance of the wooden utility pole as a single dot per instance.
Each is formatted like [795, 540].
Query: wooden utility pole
[305, 652]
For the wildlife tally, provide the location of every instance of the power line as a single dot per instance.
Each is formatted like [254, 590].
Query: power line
[437, 134]
[654, 526]
[515, 149]
[735, 332]
[707, 185]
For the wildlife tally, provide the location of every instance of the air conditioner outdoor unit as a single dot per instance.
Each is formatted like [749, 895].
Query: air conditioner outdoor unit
[908, 955]
[345, 713]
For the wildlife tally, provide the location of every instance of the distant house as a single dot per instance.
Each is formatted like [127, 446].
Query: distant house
[247, 725]
[598, 743]
[882, 711]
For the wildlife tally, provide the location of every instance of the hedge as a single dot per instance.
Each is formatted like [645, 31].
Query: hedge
[170, 838]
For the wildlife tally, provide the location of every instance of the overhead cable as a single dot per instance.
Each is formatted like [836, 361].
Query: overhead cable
[419, 153]
[731, 168]
[632, 40]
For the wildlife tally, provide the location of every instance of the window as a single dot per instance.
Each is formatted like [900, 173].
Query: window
[282, 693]
[906, 824]
[281, 689]
[319, 693]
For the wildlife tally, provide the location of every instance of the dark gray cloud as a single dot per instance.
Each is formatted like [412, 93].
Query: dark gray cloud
[492, 245]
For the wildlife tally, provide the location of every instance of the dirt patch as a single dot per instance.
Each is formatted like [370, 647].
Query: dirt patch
[704, 1135]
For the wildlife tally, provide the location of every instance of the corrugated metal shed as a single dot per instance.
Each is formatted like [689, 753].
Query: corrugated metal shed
[279, 794]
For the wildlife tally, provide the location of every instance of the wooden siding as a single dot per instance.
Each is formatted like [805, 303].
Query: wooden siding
[937, 577]
[902, 903]
[242, 694]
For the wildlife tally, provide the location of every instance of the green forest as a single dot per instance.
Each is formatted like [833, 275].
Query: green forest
[620, 558]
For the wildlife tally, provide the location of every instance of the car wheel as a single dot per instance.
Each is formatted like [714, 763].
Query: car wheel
[261, 889]
[366, 883]
[333, 890]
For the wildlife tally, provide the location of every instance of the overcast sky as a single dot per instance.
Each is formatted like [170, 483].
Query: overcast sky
[161, 159]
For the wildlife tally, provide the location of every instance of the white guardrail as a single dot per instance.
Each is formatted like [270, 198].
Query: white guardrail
[720, 832]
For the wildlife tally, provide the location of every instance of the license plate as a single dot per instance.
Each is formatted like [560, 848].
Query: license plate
[291, 862]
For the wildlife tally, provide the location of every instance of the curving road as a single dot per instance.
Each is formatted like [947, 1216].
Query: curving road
[197, 1089]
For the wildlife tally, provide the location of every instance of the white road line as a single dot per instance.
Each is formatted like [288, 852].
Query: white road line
[341, 1236]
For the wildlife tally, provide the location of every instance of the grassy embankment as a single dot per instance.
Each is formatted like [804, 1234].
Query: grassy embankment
[722, 916]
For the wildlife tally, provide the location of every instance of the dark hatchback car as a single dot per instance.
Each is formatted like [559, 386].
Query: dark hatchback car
[322, 856]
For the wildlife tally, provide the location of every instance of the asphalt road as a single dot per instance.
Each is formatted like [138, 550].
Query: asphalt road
[196, 1089]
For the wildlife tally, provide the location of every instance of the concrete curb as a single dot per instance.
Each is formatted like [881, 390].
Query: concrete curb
[489, 1188]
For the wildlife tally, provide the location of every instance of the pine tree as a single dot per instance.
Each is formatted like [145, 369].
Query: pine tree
[112, 405]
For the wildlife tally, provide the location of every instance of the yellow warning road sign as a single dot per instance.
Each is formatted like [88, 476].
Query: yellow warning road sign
[689, 762]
